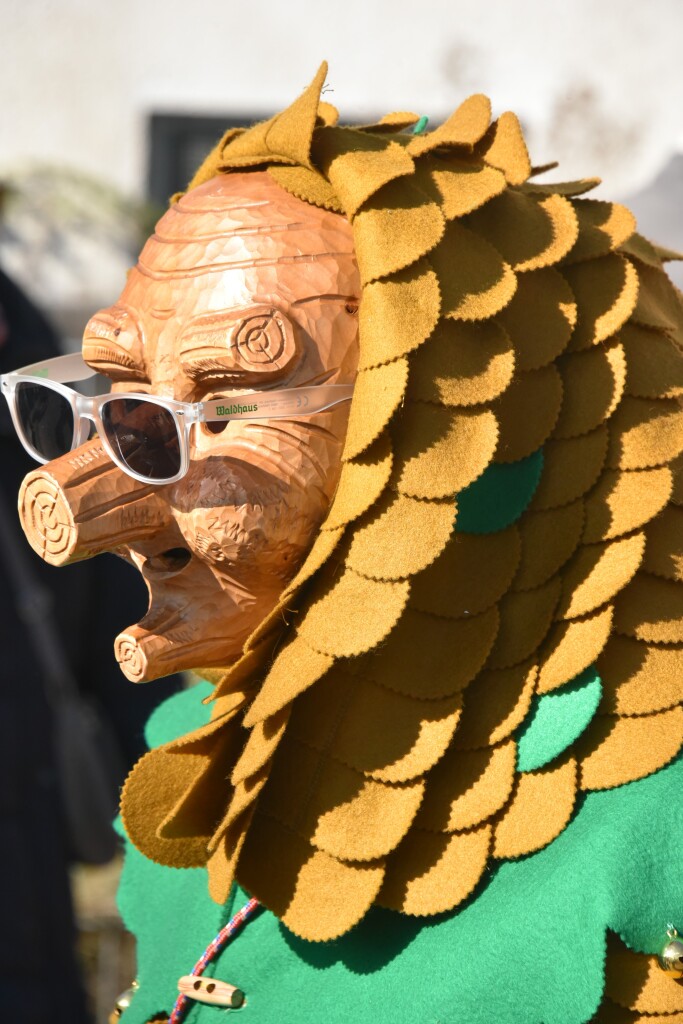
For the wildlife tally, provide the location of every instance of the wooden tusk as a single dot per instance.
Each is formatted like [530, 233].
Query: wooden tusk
[145, 654]
[81, 504]
[193, 619]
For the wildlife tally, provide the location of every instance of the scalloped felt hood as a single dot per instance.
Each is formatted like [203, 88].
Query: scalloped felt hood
[490, 621]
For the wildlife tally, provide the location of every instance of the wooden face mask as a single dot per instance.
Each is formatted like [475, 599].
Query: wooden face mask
[244, 299]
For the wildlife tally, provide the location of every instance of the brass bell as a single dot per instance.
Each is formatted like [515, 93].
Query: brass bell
[671, 957]
[123, 1002]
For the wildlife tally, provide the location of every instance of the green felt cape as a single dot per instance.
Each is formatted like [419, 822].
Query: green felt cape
[529, 948]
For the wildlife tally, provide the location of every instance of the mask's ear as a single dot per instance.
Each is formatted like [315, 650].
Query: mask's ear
[255, 345]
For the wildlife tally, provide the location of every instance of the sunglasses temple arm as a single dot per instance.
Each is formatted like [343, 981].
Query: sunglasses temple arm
[62, 369]
[277, 404]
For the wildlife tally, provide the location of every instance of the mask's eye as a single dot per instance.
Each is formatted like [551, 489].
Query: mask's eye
[213, 427]
[216, 427]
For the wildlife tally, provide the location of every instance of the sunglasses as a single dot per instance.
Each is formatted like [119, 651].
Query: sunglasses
[148, 437]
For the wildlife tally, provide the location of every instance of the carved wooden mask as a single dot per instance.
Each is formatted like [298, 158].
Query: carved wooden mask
[242, 287]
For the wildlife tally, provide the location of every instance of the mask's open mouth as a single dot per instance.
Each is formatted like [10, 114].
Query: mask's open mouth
[194, 617]
[168, 563]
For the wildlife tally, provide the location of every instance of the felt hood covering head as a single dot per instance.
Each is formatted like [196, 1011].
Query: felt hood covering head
[490, 620]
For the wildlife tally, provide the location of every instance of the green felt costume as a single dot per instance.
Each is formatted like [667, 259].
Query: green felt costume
[529, 948]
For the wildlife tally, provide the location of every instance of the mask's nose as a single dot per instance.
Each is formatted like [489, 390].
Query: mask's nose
[81, 504]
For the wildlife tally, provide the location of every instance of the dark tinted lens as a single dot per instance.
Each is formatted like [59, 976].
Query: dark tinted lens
[143, 435]
[46, 419]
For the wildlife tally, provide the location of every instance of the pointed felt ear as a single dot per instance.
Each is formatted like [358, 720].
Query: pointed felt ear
[284, 139]
[291, 133]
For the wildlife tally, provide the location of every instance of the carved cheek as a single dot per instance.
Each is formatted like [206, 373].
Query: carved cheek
[250, 539]
[221, 536]
[254, 497]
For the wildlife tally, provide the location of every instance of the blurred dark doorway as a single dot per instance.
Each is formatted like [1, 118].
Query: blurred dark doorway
[178, 143]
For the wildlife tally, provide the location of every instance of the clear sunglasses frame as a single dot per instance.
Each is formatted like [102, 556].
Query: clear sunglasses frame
[54, 373]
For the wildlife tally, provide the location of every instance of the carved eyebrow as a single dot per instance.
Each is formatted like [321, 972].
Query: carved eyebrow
[222, 364]
[211, 324]
[328, 297]
[112, 341]
[208, 345]
[206, 348]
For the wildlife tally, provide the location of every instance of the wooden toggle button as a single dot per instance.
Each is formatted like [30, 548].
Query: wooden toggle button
[208, 990]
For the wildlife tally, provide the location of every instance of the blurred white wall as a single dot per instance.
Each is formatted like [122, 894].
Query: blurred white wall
[597, 83]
